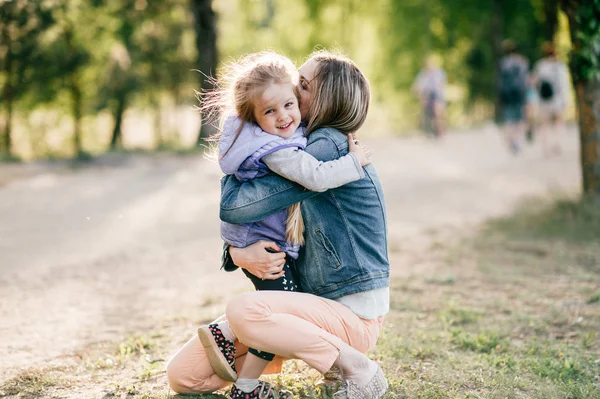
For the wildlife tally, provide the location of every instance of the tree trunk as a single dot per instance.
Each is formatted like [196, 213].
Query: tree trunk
[550, 19]
[588, 105]
[75, 91]
[157, 125]
[116, 134]
[77, 113]
[587, 90]
[497, 32]
[206, 46]
[7, 93]
[9, 114]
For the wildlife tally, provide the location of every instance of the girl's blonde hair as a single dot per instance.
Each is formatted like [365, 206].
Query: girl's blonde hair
[340, 94]
[237, 91]
[243, 81]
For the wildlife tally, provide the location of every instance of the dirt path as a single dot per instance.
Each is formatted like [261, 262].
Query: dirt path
[117, 246]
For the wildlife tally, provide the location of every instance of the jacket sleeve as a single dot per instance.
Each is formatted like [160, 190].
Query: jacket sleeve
[258, 198]
[302, 168]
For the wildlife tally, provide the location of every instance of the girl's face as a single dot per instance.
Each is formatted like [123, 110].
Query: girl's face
[305, 86]
[276, 110]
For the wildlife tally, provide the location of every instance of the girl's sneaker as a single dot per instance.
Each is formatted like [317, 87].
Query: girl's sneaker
[220, 351]
[264, 390]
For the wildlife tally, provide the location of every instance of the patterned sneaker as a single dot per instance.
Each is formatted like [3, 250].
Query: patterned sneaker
[264, 390]
[220, 351]
[373, 390]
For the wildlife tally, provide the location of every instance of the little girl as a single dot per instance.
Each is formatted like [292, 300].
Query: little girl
[263, 135]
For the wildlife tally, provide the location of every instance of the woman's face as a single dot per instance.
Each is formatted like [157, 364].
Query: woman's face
[306, 86]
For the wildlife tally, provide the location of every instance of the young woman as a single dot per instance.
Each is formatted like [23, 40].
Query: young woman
[260, 121]
[343, 268]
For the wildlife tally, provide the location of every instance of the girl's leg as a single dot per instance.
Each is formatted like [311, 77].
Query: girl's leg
[254, 367]
[301, 326]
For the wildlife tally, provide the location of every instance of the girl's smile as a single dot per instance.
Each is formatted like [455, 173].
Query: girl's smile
[276, 110]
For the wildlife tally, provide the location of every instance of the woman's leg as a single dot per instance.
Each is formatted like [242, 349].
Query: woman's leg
[300, 326]
[189, 371]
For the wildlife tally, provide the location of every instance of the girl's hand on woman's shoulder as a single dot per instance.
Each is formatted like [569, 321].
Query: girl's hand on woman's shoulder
[362, 152]
[257, 260]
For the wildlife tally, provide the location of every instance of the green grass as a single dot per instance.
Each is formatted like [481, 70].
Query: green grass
[512, 312]
[564, 220]
[31, 383]
[519, 318]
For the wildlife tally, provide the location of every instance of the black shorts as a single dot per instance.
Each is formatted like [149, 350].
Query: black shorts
[289, 282]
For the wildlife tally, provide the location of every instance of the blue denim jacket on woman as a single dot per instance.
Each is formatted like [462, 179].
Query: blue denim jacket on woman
[345, 228]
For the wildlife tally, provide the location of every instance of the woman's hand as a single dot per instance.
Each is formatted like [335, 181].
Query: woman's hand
[362, 152]
[256, 259]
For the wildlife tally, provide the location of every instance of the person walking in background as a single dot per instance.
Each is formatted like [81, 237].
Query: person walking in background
[552, 83]
[430, 85]
[531, 106]
[512, 90]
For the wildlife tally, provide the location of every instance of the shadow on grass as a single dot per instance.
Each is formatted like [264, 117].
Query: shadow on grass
[568, 220]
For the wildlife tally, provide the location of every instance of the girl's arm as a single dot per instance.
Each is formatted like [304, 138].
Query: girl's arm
[259, 198]
[302, 168]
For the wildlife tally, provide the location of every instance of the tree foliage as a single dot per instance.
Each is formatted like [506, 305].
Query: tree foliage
[584, 24]
[22, 27]
[88, 58]
[585, 34]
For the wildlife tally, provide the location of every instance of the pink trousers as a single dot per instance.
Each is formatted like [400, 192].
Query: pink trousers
[290, 324]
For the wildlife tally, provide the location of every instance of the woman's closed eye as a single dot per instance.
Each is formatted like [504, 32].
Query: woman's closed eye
[304, 84]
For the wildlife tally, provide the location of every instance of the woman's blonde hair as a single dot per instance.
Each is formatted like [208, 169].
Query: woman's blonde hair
[237, 90]
[340, 94]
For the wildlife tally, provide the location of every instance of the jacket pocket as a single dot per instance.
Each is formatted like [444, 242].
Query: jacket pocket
[332, 257]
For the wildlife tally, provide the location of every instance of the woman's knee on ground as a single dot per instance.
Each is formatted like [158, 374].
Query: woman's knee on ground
[241, 309]
[175, 376]
[181, 381]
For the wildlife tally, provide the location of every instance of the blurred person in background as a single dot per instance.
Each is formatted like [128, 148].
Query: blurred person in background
[512, 88]
[552, 83]
[531, 105]
[430, 85]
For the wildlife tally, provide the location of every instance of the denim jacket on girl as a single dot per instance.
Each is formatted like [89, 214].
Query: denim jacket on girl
[345, 228]
[243, 160]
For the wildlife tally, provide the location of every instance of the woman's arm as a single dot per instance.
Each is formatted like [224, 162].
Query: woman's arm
[302, 168]
[258, 198]
[257, 259]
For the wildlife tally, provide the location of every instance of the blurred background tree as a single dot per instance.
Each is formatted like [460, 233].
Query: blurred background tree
[86, 76]
[22, 26]
[584, 23]
[205, 29]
